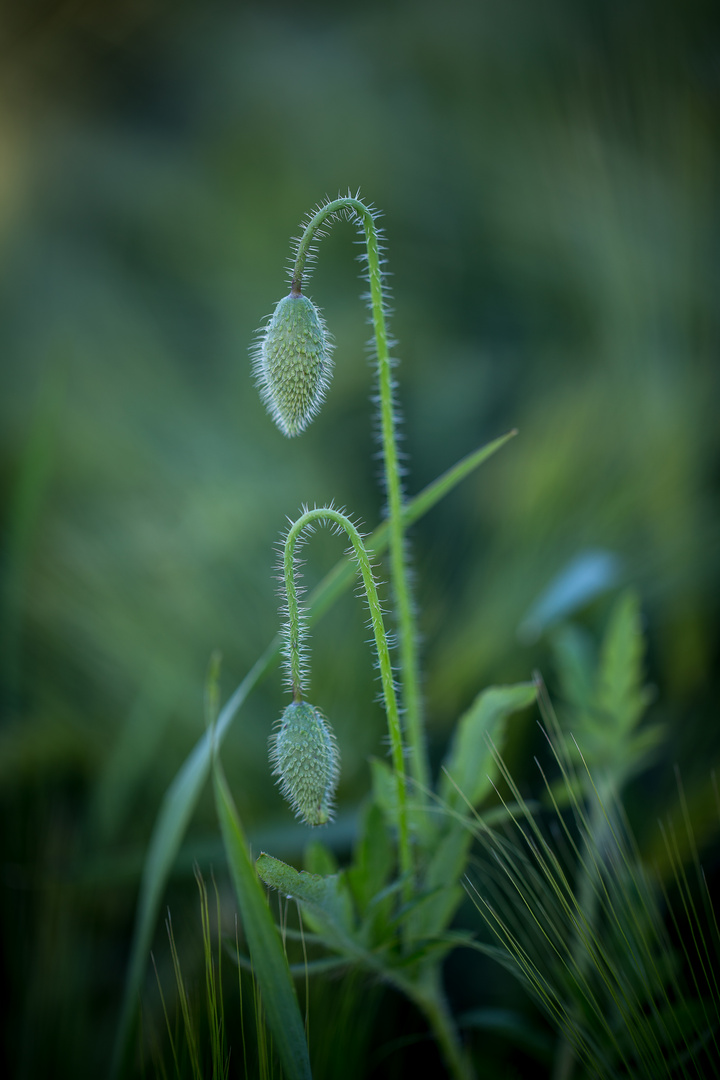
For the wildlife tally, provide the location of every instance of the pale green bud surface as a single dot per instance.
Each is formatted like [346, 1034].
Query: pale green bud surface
[306, 761]
[292, 363]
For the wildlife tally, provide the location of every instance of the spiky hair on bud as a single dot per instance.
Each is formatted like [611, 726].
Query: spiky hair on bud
[306, 761]
[292, 363]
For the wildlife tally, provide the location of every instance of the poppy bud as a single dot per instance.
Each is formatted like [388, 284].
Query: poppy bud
[292, 363]
[306, 761]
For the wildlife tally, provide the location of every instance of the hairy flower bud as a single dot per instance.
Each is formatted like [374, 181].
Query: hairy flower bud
[306, 761]
[292, 363]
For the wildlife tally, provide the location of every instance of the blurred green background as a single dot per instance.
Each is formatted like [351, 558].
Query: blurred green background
[549, 175]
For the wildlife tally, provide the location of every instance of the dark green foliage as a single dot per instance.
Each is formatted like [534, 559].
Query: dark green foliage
[607, 695]
[580, 921]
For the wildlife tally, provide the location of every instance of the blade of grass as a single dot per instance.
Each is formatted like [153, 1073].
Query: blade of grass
[213, 984]
[175, 812]
[167, 1021]
[191, 1036]
[181, 797]
[240, 999]
[268, 958]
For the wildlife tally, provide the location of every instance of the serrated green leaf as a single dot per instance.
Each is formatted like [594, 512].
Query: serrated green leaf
[325, 898]
[620, 695]
[266, 952]
[470, 763]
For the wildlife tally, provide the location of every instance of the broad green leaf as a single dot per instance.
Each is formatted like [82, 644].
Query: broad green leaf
[470, 763]
[373, 859]
[442, 875]
[371, 870]
[266, 952]
[435, 912]
[181, 798]
[384, 789]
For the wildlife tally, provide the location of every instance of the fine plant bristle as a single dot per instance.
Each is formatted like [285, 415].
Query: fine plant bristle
[306, 760]
[578, 919]
[292, 363]
[206, 1024]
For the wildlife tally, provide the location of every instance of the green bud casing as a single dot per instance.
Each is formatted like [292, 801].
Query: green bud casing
[292, 363]
[305, 758]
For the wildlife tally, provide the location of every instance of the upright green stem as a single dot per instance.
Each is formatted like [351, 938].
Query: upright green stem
[587, 905]
[407, 640]
[429, 997]
[293, 652]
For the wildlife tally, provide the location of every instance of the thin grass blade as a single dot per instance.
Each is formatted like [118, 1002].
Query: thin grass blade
[269, 961]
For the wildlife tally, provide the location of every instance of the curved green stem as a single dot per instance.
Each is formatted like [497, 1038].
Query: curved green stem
[293, 653]
[407, 640]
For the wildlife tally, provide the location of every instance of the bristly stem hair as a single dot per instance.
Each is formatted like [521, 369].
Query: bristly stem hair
[353, 208]
[294, 649]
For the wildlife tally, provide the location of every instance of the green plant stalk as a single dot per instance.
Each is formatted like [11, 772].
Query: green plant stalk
[428, 996]
[430, 999]
[324, 515]
[407, 639]
[183, 793]
[587, 906]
